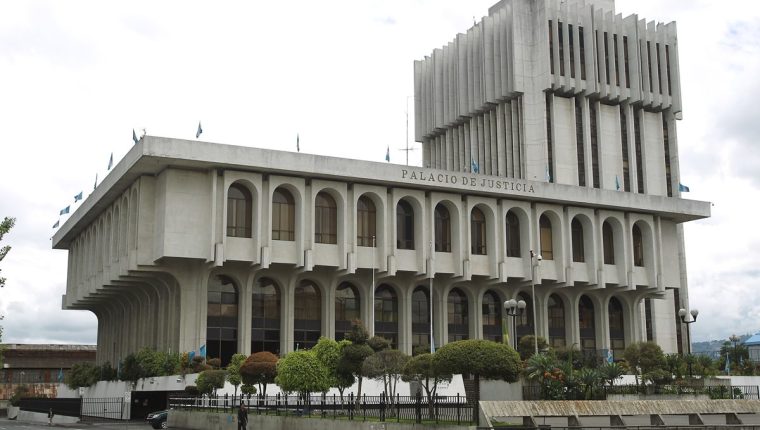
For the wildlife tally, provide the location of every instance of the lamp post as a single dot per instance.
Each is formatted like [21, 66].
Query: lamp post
[514, 309]
[538, 259]
[735, 339]
[682, 313]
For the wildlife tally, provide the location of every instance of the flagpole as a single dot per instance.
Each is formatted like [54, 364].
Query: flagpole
[372, 290]
[432, 275]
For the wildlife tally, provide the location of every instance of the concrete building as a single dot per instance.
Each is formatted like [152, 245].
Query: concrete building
[546, 127]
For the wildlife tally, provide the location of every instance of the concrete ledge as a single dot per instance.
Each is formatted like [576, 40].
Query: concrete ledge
[609, 407]
[197, 420]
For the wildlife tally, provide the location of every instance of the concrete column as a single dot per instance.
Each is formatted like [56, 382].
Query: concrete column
[245, 314]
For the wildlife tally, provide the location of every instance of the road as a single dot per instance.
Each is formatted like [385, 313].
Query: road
[6, 424]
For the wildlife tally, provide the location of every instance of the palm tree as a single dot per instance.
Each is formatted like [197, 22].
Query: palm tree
[610, 372]
[590, 379]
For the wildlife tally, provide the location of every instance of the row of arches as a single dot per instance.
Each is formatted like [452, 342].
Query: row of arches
[239, 224]
[267, 322]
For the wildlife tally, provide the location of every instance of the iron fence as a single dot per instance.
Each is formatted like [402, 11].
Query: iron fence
[586, 392]
[669, 427]
[417, 409]
[102, 409]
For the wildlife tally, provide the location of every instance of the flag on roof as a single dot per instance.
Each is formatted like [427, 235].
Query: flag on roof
[298, 143]
[110, 162]
[65, 210]
[57, 223]
[474, 166]
[617, 183]
[78, 197]
[96, 182]
[683, 188]
[200, 130]
[388, 154]
[134, 136]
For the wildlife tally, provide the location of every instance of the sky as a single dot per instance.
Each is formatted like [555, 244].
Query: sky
[77, 77]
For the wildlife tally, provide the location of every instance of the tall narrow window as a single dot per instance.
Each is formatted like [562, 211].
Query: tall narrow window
[679, 324]
[624, 147]
[239, 208]
[556, 311]
[637, 118]
[659, 75]
[617, 328]
[478, 232]
[325, 219]
[222, 318]
[513, 235]
[265, 321]
[404, 225]
[594, 143]
[649, 63]
[570, 37]
[638, 247]
[307, 311]
[577, 236]
[625, 60]
[551, 48]
[386, 314]
[492, 329]
[561, 44]
[457, 315]
[579, 141]
[283, 215]
[667, 69]
[547, 251]
[366, 223]
[617, 63]
[549, 149]
[608, 243]
[442, 229]
[420, 319]
[582, 46]
[648, 319]
[524, 323]
[666, 144]
[606, 59]
[346, 309]
[587, 325]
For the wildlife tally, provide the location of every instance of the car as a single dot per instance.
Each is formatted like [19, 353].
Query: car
[157, 419]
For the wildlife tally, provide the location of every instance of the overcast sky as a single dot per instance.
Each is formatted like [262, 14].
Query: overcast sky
[76, 77]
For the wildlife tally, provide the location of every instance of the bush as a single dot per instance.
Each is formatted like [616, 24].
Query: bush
[82, 375]
[248, 389]
[192, 390]
[527, 348]
[21, 392]
[210, 380]
[259, 368]
[215, 363]
[482, 358]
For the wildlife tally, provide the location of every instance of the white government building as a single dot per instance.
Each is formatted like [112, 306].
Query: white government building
[547, 126]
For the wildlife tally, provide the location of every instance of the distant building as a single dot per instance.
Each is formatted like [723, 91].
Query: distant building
[753, 346]
[35, 364]
[547, 128]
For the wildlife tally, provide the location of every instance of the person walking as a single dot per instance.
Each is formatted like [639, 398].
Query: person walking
[50, 417]
[242, 417]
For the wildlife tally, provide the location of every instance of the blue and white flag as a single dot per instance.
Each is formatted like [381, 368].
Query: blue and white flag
[57, 223]
[200, 130]
[96, 182]
[617, 183]
[78, 197]
[60, 375]
[683, 188]
[65, 210]
[134, 136]
[110, 162]
[474, 166]
[298, 142]
[203, 351]
[190, 356]
[548, 175]
[388, 154]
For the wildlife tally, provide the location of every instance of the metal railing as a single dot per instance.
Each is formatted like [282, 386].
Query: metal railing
[408, 409]
[584, 392]
[669, 427]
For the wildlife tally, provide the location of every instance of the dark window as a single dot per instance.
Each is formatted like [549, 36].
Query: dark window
[420, 319]
[624, 147]
[524, 322]
[307, 323]
[265, 321]
[577, 235]
[637, 118]
[513, 235]
[649, 63]
[594, 143]
[404, 225]
[666, 145]
[579, 141]
[570, 37]
[222, 319]
[677, 307]
[608, 243]
[346, 309]
[587, 325]
[667, 69]
[239, 208]
[556, 311]
[549, 149]
[283, 215]
[659, 75]
[638, 247]
[442, 229]
[617, 333]
[492, 322]
[606, 59]
[582, 45]
[457, 315]
[478, 232]
[366, 223]
[547, 247]
[551, 48]
[625, 60]
[561, 44]
[325, 219]
[386, 314]
[648, 319]
[617, 63]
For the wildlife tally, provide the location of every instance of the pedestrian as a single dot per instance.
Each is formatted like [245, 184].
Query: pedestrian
[242, 417]
[50, 417]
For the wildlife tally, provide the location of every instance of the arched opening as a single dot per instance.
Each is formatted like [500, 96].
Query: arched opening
[325, 219]
[239, 211]
[442, 229]
[492, 320]
[638, 246]
[556, 310]
[587, 325]
[478, 242]
[366, 222]
[524, 322]
[513, 235]
[608, 243]
[420, 319]
[221, 318]
[576, 229]
[404, 225]
[386, 314]
[457, 315]
[617, 328]
[307, 309]
[545, 226]
[283, 215]
[346, 309]
[265, 320]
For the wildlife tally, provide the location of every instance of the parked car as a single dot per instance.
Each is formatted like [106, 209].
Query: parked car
[157, 420]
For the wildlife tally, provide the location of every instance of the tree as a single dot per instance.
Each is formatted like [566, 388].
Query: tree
[210, 380]
[82, 375]
[387, 366]
[421, 369]
[130, 369]
[233, 370]
[5, 227]
[329, 352]
[302, 372]
[526, 347]
[645, 359]
[259, 368]
[353, 355]
[544, 369]
[610, 372]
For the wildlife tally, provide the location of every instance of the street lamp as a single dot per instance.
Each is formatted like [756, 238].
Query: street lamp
[533, 294]
[735, 339]
[514, 309]
[682, 314]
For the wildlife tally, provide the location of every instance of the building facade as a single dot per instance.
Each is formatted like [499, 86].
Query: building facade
[547, 129]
